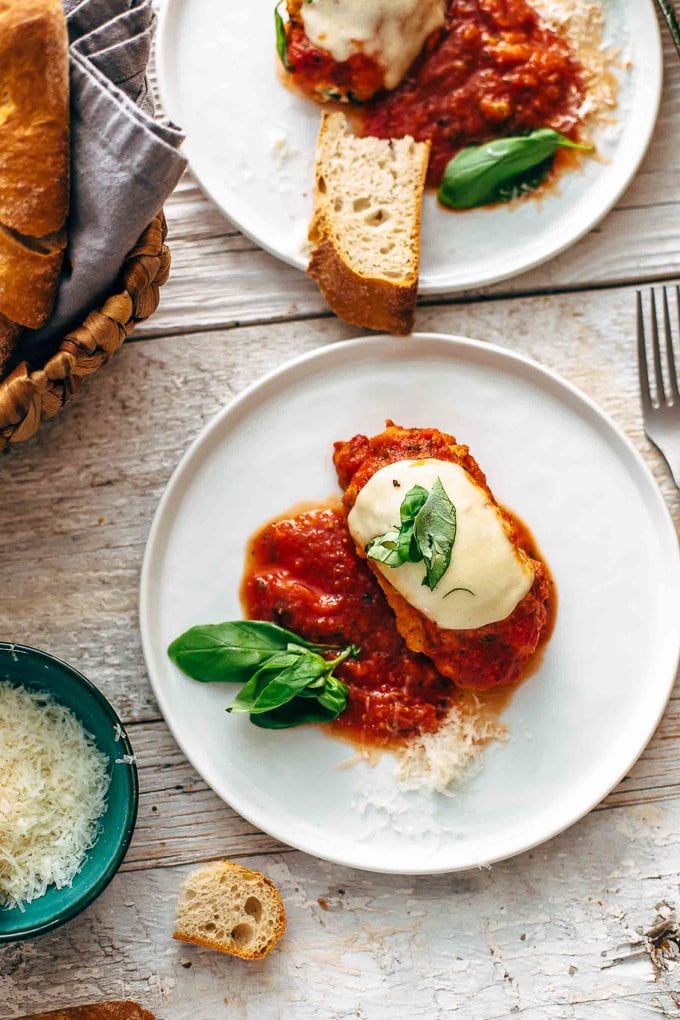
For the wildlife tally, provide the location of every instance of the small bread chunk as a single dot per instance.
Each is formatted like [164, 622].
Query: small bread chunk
[120, 1010]
[366, 225]
[230, 908]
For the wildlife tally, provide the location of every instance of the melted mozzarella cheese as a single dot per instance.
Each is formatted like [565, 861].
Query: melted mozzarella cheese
[392, 32]
[483, 559]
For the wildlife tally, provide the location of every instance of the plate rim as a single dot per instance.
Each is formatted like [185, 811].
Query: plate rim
[161, 48]
[291, 366]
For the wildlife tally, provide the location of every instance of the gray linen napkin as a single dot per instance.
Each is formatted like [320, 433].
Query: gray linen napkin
[124, 164]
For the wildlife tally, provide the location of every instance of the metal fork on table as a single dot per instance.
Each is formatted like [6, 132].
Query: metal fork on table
[660, 395]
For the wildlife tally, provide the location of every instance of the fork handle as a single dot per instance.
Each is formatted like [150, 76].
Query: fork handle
[667, 8]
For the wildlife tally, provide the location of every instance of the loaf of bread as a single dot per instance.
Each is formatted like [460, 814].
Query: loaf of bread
[34, 163]
[365, 229]
[120, 1010]
[230, 908]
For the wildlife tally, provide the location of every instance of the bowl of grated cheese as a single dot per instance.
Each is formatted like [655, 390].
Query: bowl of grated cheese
[68, 792]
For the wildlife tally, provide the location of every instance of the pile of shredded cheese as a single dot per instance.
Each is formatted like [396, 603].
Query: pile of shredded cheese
[581, 23]
[440, 761]
[53, 785]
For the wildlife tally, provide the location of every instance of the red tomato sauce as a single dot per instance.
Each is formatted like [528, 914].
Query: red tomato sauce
[492, 71]
[303, 573]
[318, 74]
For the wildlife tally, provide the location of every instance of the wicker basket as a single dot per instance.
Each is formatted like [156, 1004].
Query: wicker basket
[28, 397]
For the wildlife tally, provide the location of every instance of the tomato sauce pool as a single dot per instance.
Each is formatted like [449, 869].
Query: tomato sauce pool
[303, 573]
[494, 70]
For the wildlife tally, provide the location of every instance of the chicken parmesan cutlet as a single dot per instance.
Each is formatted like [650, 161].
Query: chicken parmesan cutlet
[458, 571]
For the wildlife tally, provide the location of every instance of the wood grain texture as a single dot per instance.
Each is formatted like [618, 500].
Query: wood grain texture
[78, 500]
[560, 932]
[557, 933]
[220, 278]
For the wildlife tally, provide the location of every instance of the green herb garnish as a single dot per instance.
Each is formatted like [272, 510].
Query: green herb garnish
[286, 681]
[426, 534]
[281, 37]
[502, 169]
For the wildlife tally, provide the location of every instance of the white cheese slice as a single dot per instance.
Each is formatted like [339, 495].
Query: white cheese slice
[392, 32]
[483, 560]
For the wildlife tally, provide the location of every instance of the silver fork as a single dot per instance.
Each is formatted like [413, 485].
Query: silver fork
[660, 401]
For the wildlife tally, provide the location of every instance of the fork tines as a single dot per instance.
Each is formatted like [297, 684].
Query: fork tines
[659, 390]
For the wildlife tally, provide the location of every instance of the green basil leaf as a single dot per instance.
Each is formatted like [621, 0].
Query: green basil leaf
[385, 548]
[480, 174]
[230, 651]
[435, 532]
[414, 500]
[250, 692]
[296, 713]
[281, 38]
[333, 696]
[286, 684]
[397, 545]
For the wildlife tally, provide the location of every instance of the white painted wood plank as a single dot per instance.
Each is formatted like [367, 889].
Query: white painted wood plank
[181, 820]
[221, 278]
[556, 933]
[78, 500]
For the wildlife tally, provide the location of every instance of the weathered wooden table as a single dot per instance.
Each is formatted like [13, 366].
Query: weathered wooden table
[584, 926]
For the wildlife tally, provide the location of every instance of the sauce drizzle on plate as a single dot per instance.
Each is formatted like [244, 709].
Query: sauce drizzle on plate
[303, 572]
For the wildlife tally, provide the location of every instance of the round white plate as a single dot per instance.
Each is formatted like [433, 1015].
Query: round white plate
[251, 145]
[576, 727]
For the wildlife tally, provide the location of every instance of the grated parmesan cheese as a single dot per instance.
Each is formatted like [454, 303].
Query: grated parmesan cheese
[439, 761]
[581, 23]
[53, 785]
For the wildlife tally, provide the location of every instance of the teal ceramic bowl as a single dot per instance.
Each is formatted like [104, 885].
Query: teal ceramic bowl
[38, 670]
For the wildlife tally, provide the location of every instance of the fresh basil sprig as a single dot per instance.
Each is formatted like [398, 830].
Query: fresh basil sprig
[501, 169]
[286, 681]
[427, 533]
[281, 37]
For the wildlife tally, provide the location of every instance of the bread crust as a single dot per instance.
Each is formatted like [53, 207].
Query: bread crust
[237, 872]
[370, 301]
[34, 116]
[119, 1010]
[362, 301]
[34, 164]
[9, 338]
[28, 278]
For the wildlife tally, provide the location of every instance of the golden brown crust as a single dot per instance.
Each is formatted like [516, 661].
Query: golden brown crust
[34, 116]
[361, 301]
[9, 338]
[28, 277]
[119, 1010]
[242, 873]
[34, 163]
[486, 656]
[369, 301]
[242, 954]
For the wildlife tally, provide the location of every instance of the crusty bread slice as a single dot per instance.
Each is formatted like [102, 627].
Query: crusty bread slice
[34, 116]
[366, 225]
[119, 1010]
[34, 164]
[230, 908]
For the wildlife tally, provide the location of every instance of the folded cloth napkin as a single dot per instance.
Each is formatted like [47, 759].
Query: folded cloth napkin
[124, 164]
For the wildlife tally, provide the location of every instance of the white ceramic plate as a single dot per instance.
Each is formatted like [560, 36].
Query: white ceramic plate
[576, 727]
[251, 144]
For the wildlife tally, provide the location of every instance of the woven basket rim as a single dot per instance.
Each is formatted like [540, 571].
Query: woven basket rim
[29, 396]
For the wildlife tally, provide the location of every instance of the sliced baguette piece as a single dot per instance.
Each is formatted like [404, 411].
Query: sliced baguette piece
[230, 908]
[365, 229]
[119, 1010]
[34, 164]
